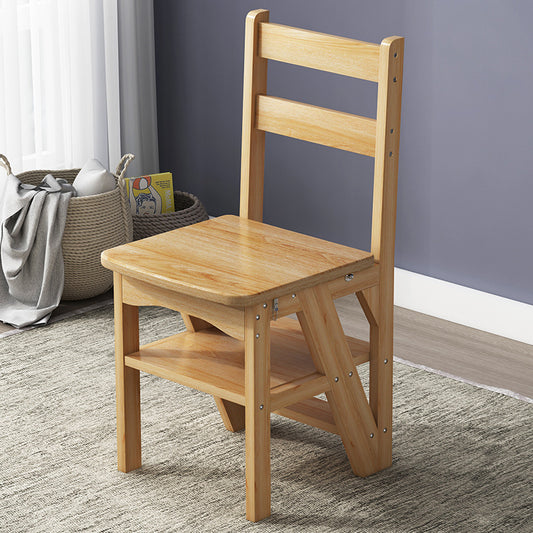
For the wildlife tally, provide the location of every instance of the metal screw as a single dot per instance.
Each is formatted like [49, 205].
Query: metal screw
[264, 306]
[257, 317]
[394, 79]
[384, 430]
[392, 130]
[371, 435]
[390, 154]
[293, 295]
[385, 361]
[348, 277]
[257, 335]
[350, 374]
[261, 406]
[336, 379]
[395, 54]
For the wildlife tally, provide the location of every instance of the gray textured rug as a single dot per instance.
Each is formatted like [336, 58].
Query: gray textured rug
[462, 455]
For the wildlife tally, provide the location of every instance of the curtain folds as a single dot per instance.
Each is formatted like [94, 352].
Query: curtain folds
[77, 81]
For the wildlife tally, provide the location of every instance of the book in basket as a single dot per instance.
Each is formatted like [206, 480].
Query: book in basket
[152, 194]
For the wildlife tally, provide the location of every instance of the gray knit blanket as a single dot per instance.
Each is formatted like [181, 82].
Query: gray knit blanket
[32, 222]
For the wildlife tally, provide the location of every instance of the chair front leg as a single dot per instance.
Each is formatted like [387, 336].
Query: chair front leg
[127, 382]
[257, 399]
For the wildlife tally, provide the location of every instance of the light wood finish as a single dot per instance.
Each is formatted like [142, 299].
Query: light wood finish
[233, 261]
[193, 323]
[361, 280]
[341, 286]
[316, 124]
[228, 319]
[212, 362]
[242, 275]
[257, 400]
[298, 389]
[313, 412]
[253, 140]
[232, 414]
[381, 297]
[320, 51]
[127, 383]
[347, 399]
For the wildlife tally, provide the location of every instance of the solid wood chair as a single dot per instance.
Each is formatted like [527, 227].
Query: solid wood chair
[235, 278]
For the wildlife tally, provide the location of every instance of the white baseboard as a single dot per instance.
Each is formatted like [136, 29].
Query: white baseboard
[463, 305]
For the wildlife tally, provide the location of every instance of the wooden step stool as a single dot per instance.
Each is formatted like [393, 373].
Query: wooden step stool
[234, 279]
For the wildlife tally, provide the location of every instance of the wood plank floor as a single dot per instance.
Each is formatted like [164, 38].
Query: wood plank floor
[468, 353]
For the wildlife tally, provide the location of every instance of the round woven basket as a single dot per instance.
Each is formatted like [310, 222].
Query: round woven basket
[187, 210]
[94, 224]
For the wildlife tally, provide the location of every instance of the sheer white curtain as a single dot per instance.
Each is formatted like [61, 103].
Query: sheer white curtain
[66, 74]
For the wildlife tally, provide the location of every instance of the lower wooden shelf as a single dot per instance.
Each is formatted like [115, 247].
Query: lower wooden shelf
[212, 362]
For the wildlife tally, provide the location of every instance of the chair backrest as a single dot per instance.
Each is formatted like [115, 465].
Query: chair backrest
[378, 138]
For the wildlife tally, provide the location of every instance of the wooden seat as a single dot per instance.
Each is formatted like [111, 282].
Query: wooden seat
[235, 280]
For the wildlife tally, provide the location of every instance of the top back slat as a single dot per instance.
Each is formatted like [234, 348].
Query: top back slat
[320, 51]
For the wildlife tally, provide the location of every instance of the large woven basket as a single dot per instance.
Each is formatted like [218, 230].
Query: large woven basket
[187, 210]
[94, 224]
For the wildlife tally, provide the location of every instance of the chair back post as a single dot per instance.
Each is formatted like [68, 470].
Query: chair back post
[253, 139]
[386, 161]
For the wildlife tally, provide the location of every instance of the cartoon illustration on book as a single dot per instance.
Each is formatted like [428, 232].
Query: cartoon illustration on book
[144, 197]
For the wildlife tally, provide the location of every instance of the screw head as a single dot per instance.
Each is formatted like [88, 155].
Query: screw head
[293, 295]
[371, 435]
[384, 430]
[348, 277]
[257, 335]
[264, 306]
[394, 79]
[385, 361]
[261, 407]
[336, 379]
[257, 317]
[350, 374]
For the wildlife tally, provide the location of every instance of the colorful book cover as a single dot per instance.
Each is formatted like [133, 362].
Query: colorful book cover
[151, 195]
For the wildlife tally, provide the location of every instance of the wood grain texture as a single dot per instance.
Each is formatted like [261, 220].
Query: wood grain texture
[320, 51]
[314, 412]
[213, 362]
[257, 402]
[351, 412]
[234, 261]
[128, 395]
[381, 298]
[341, 286]
[316, 124]
[232, 414]
[253, 140]
[228, 319]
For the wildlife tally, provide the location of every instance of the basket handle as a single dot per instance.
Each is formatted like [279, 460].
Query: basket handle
[123, 165]
[5, 163]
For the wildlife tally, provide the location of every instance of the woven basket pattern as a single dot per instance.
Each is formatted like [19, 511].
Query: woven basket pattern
[94, 224]
[188, 210]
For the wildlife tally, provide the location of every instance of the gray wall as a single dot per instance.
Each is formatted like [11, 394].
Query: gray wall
[466, 180]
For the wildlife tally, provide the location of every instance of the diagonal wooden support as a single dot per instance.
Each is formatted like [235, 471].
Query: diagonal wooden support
[329, 349]
[232, 414]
